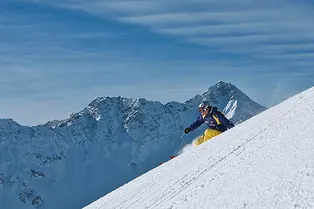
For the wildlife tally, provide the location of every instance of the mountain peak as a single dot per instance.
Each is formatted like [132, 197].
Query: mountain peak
[228, 99]
[220, 90]
[8, 122]
[224, 89]
[221, 83]
[106, 100]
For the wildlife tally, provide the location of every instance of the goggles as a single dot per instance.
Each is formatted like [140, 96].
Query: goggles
[201, 109]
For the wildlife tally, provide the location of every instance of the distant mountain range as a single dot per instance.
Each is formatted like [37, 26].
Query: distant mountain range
[72, 162]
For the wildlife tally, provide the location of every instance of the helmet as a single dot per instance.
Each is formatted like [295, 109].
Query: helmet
[202, 106]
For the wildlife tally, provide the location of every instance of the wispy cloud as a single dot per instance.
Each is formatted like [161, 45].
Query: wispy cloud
[256, 26]
[294, 56]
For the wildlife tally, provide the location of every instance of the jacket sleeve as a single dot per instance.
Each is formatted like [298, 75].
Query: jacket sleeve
[224, 120]
[197, 123]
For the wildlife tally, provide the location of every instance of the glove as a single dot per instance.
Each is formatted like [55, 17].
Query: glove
[187, 130]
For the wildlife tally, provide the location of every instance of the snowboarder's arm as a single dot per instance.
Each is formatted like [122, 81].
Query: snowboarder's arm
[224, 120]
[197, 123]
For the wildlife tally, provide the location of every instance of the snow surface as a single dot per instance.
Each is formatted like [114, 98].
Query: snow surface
[264, 162]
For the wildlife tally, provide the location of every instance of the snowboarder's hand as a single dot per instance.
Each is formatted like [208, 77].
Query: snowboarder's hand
[187, 130]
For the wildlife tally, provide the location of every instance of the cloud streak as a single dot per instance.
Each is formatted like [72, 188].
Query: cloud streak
[258, 26]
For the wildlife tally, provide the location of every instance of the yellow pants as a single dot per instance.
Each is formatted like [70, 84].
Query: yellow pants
[208, 134]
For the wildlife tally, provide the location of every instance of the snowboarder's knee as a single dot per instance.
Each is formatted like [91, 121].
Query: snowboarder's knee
[208, 134]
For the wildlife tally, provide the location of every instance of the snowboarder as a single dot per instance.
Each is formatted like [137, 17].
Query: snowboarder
[215, 120]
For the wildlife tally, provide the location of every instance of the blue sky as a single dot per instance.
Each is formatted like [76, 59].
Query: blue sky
[57, 56]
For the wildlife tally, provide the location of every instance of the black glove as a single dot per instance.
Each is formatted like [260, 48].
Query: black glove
[187, 130]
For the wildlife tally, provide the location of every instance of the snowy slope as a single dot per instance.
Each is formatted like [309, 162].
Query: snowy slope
[94, 151]
[264, 162]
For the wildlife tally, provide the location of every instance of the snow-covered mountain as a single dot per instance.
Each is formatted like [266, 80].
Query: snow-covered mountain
[228, 98]
[264, 162]
[70, 163]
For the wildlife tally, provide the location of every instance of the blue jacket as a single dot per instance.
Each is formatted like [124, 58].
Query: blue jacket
[214, 120]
